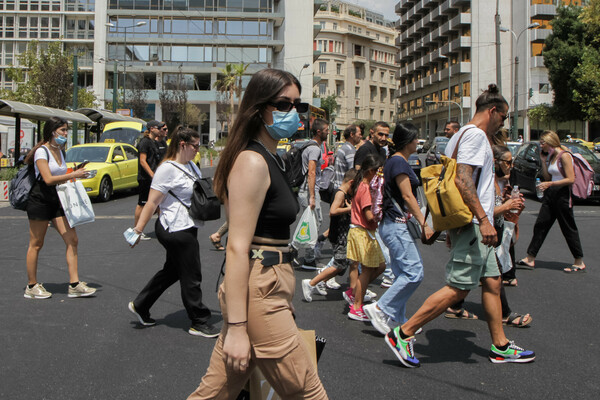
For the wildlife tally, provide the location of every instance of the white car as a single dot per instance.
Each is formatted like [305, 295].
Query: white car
[420, 144]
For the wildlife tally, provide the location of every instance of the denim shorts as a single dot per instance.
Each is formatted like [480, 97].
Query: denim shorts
[470, 260]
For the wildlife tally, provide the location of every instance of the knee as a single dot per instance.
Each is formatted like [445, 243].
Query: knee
[492, 285]
[71, 239]
[36, 244]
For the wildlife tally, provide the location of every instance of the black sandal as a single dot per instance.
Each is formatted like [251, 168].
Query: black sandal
[510, 320]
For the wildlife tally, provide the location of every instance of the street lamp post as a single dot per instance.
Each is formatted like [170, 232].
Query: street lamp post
[515, 126]
[449, 66]
[110, 24]
[450, 102]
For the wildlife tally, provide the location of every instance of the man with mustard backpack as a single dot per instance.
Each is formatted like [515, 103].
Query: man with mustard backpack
[472, 257]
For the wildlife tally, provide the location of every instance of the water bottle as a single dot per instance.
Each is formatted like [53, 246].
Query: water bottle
[539, 192]
[515, 194]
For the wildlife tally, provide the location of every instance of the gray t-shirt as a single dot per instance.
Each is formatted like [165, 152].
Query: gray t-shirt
[311, 153]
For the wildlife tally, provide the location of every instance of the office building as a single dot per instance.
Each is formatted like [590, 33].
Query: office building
[357, 62]
[448, 57]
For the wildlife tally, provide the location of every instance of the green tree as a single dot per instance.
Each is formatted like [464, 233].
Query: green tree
[329, 104]
[563, 51]
[230, 83]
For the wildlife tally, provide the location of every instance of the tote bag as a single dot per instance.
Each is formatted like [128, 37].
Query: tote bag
[76, 203]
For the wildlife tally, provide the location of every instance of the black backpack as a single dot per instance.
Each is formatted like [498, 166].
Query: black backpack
[21, 185]
[293, 165]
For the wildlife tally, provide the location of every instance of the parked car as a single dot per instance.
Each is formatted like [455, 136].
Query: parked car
[122, 132]
[582, 142]
[112, 166]
[415, 163]
[528, 166]
[420, 144]
[597, 144]
[436, 150]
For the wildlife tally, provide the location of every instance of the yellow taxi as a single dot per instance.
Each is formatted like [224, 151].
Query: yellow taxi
[111, 166]
[582, 142]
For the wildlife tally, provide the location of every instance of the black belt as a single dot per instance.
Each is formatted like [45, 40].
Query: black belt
[269, 258]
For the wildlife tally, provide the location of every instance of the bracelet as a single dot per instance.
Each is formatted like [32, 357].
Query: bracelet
[237, 323]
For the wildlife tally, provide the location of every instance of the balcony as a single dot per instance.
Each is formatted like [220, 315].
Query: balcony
[459, 20]
[539, 35]
[537, 62]
[463, 42]
[542, 10]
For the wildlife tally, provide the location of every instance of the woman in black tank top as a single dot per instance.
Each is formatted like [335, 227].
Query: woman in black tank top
[256, 295]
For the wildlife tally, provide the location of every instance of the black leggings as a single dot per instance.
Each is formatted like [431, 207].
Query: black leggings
[183, 265]
[555, 205]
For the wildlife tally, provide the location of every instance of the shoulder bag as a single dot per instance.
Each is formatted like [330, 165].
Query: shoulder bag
[205, 204]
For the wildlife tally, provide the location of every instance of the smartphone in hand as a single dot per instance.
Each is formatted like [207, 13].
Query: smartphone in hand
[83, 164]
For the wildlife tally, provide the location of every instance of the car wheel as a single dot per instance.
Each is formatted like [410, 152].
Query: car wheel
[105, 189]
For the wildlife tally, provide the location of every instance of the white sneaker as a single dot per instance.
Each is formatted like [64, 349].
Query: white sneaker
[332, 284]
[307, 290]
[38, 291]
[81, 290]
[378, 318]
[386, 283]
[370, 295]
[320, 288]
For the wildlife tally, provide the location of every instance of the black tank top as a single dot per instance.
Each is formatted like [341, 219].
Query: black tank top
[280, 207]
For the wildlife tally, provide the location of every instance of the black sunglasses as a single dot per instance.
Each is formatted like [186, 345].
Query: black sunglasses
[286, 106]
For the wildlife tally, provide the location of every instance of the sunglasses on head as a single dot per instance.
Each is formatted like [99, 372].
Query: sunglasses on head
[286, 106]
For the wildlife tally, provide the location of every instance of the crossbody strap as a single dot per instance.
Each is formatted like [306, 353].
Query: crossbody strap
[455, 154]
[188, 175]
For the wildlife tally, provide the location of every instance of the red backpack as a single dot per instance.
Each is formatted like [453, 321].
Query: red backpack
[584, 175]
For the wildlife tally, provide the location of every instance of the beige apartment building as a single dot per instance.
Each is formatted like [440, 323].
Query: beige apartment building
[447, 57]
[357, 62]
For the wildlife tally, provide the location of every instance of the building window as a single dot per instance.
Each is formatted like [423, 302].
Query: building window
[357, 72]
[358, 50]
[322, 67]
[322, 89]
[467, 89]
[381, 115]
[356, 113]
[338, 89]
[371, 114]
[338, 69]
[322, 25]
[357, 93]
[382, 76]
[335, 26]
[372, 74]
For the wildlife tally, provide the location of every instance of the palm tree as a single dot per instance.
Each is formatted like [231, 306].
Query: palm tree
[231, 83]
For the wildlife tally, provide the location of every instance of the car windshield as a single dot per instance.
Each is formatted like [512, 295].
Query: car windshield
[513, 148]
[441, 147]
[123, 135]
[91, 154]
[584, 151]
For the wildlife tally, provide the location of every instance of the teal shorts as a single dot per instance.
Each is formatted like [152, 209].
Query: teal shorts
[470, 260]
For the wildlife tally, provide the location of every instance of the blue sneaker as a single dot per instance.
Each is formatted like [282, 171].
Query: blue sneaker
[403, 349]
[513, 353]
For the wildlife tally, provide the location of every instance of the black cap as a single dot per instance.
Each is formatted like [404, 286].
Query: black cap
[154, 124]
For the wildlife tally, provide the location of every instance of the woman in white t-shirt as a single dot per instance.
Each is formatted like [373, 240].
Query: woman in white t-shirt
[171, 189]
[47, 158]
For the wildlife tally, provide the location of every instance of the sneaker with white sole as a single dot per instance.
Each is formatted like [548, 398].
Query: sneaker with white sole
[378, 318]
[307, 290]
[310, 265]
[144, 318]
[205, 330]
[386, 283]
[144, 237]
[38, 291]
[321, 288]
[81, 290]
[332, 284]
[402, 348]
[370, 294]
[348, 296]
[357, 314]
[513, 353]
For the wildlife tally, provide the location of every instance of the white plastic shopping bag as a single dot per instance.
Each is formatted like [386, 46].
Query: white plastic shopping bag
[502, 251]
[307, 231]
[76, 203]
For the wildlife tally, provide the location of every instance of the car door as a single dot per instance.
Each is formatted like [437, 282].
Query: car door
[527, 166]
[118, 160]
[131, 165]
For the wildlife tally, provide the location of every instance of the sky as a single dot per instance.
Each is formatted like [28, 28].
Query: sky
[385, 7]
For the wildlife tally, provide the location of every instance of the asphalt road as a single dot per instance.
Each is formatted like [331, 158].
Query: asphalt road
[92, 348]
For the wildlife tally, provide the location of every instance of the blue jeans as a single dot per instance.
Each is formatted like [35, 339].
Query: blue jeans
[407, 266]
[386, 254]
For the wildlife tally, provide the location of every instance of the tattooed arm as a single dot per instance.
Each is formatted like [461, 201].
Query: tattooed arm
[466, 187]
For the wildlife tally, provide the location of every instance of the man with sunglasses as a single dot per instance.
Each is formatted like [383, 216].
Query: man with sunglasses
[161, 140]
[374, 145]
[308, 195]
[472, 256]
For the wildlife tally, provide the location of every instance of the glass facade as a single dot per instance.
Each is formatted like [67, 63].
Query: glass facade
[195, 5]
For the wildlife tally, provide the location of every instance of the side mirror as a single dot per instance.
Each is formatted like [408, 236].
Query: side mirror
[118, 158]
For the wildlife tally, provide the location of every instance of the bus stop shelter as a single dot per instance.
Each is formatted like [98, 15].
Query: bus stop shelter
[103, 117]
[20, 110]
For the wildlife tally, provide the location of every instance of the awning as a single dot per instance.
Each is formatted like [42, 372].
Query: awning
[105, 117]
[24, 110]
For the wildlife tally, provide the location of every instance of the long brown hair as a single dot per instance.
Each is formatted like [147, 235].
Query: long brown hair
[264, 86]
[50, 127]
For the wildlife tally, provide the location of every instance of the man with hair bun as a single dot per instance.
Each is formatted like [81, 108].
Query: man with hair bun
[472, 256]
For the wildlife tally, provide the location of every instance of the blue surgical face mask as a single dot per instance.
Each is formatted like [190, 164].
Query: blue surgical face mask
[285, 124]
[60, 140]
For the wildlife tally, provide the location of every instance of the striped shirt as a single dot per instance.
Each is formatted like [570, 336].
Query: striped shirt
[344, 161]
